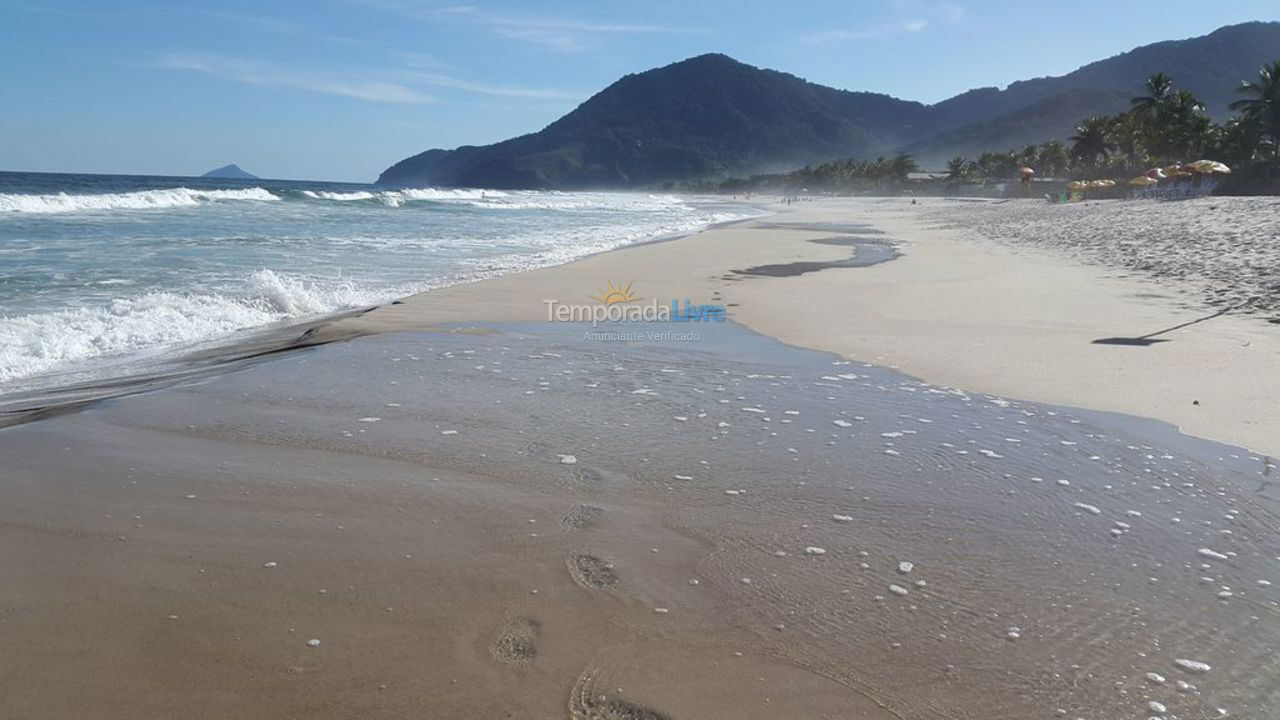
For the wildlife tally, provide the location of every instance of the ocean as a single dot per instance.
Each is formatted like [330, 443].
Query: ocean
[104, 274]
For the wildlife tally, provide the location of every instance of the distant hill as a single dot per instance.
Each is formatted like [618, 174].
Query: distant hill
[1053, 117]
[1211, 66]
[705, 116]
[230, 172]
[712, 116]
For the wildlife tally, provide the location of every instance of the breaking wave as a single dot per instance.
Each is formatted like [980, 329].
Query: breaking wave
[141, 200]
[40, 342]
[188, 197]
[93, 293]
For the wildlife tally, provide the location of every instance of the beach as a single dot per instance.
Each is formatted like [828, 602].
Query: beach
[901, 480]
[986, 312]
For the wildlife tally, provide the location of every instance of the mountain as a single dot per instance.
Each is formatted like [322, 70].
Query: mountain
[230, 172]
[1211, 66]
[706, 116]
[1053, 117]
[712, 116]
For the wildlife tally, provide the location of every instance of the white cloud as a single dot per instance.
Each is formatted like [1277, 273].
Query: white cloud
[953, 12]
[257, 73]
[446, 81]
[898, 17]
[551, 32]
[273, 25]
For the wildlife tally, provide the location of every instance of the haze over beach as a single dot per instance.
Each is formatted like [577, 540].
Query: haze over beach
[828, 360]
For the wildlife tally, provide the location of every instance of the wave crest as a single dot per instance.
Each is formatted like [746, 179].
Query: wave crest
[140, 200]
[40, 342]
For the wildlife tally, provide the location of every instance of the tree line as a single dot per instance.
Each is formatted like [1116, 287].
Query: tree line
[1165, 125]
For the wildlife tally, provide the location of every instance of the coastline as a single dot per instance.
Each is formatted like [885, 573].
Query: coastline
[956, 309]
[469, 509]
[949, 305]
[80, 386]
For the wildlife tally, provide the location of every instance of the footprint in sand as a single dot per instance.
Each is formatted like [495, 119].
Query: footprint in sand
[516, 641]
[581, 517]
[587, 703]
[590, 571]
[616, 710]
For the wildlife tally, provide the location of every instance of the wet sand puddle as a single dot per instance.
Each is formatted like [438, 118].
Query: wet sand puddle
[870, 247]
[735, 528]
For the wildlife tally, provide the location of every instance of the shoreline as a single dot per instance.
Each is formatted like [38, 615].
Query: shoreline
[1016, 322]
[955, 309]
[493, 517]
[214, 356]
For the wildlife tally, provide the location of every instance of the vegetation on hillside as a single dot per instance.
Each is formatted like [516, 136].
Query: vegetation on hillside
[710, 117]
[1163, 126]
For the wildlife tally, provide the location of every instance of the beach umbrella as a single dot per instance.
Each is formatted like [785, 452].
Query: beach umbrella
[1175, 171]
[1143, 181]
[1077, 185]
[1107, 183]
[1209, 167]
[1156, 174]
[1026, 171]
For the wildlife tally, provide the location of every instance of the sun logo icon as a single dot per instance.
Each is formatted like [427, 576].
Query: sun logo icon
[615, 294]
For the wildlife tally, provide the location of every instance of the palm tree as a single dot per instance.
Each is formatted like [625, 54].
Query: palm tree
[901, 166]
[1184, 125]
[1264, 108]
[1238, 141]
[1147, 107]
[1054, 158]
[1029, 156]
[958, 169]
[1127, 134]
[1092, 139]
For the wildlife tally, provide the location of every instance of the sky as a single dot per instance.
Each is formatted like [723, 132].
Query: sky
[340, 89]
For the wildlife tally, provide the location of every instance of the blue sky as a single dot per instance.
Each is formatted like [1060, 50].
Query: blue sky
[339, 89]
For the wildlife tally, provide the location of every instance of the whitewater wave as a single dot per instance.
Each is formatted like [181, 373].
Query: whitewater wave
[396, 198]
[499, 199]
[188, 197]
[37, 343]
[140, 200]
[338, 196]
[114, 300]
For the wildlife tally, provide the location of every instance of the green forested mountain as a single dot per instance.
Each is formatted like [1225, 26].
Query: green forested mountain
[711, 116]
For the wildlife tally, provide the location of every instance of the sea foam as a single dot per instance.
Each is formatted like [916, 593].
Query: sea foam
[37, 343]
[141, 200]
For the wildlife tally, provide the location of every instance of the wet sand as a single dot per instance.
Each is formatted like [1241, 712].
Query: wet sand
[458, 517]
[955, 307]
[509, 521]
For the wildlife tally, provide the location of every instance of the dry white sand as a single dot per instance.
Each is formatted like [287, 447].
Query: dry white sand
[1226, 248]
[991, 314]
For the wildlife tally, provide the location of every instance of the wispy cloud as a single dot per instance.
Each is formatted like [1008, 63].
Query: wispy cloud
[556, 33]
[838, 35]
[387, 85]
[900, 17]
[273, 25]
[953, 12]
[447, 81]
[259, 73]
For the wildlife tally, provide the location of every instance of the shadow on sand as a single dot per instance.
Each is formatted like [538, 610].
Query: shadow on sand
[1151, 339]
